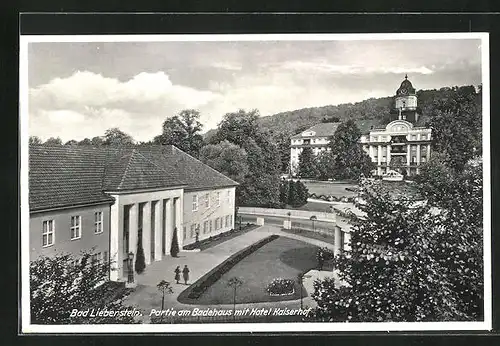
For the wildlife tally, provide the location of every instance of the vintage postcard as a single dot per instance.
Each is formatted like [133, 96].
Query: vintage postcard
[255, 183]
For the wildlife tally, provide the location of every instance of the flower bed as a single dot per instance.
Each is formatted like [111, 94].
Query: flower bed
[207, 242]
[281, 287]
[215, 274]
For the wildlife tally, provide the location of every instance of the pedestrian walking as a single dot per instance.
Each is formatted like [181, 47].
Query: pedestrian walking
[177, 272]
[185, 274]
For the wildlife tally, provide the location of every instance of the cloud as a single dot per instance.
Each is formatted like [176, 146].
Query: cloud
[227, 66]
[307, 66]
[139, 104]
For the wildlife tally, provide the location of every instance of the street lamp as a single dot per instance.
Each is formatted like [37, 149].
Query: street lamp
[130, 263]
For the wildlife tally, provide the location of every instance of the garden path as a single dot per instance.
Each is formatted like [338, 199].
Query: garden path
[146, 296]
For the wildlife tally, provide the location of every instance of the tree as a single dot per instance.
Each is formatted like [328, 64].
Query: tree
[140, 261]
[116, 137]
[297, 193]
[227, 158]
[174, 248]
[164, 287]
[307, 164]
[35, 140]
[234, 282]
[71, 142]
[457, 126]
[53, 141]
[63, 283]
[260, 186]
[183, 131]
[350, 160]
[97, 141]
[325, 164]
[85, 141]
[282, 140]
[407, 262]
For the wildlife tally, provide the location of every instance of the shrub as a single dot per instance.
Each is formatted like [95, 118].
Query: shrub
[174, 248]
[140, 261]
[281, 287]
[324, 254]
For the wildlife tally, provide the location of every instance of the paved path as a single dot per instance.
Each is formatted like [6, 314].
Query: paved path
[146, 296]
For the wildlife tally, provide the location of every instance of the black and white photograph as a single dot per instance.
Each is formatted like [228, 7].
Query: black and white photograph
[255, 183]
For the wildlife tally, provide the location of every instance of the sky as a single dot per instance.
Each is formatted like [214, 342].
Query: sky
[80, 89]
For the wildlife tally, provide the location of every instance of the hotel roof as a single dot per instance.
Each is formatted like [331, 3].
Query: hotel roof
[62, 176]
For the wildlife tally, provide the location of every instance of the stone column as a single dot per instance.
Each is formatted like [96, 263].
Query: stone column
[146, 232]
[133, 228]
[158, 241]
[178, 221]
[388, 156]
[169, 225]
[337, 240]
[379, 159]
[116, 241]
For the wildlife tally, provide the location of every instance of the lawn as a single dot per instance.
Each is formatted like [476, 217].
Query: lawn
[281, 258]
[337, 189]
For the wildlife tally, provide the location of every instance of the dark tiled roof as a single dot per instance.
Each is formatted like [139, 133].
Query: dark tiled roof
[322, 130]
[62, 176]
[196, 174]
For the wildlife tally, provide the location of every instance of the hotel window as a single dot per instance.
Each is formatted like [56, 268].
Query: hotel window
[48, 233]
[193, 230]
[195, 202]
[424, 137]
[207, 200]
[98, 222]
[217, 199]
[414, 159]
[414, 137]
[216, 223]
[210, 225]
[228, 196]
[205, 227]
[76, 230]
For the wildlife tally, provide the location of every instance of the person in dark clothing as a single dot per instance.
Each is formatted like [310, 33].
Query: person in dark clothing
[177, 272]
[185, 274]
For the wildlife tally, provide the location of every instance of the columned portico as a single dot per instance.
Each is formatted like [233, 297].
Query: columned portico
[157, 212]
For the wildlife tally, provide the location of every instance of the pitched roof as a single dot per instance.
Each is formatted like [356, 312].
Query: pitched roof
[196, 174]
[62, 176]
[321, 130]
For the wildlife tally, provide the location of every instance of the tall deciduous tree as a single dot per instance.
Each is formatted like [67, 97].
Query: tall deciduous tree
[261, 184]
[183, 131]
[411, 261]
[457, 126]
[53, 141]
[62, 283]
[35, 140]
[227, 158]
[350, 160]
[307, 164]
[325, 164]
[85, 141]
[97, 140]
[116, 137]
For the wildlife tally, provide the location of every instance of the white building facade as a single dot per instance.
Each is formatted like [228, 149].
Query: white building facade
[317, 138]
[401, 145]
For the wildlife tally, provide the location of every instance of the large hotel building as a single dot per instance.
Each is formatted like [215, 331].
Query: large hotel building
[402, 145]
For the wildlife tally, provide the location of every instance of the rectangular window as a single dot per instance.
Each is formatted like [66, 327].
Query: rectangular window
[98, 222]
[195, 202]
[76, 231]
[228, 196]
[205, 227]
[105, 257]
[207, 200]
[184, 233]
[193, 230]
[48, 233]
[217, 199]
[226, 223]
[217, 223]
[424, 136]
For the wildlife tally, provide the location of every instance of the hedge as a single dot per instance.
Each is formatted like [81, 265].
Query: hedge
[215, 274]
